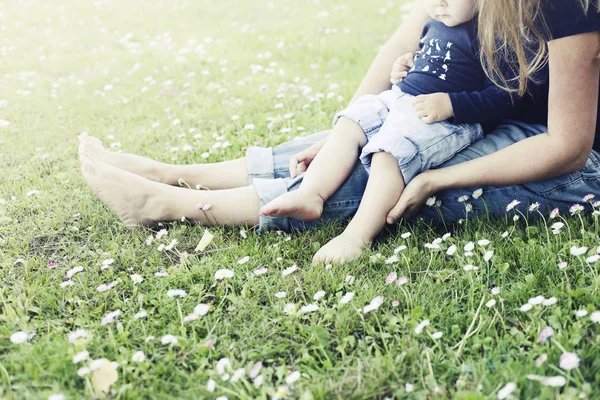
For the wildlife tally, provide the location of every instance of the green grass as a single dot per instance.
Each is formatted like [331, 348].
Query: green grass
[47, 48]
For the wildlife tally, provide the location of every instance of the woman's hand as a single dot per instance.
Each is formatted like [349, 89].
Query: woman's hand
[401, 67]
[413, 197]
[299, 162]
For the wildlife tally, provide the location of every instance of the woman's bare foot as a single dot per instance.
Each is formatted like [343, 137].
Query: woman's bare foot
[343, 248]
[142, 166]
[298, 204]
[130, 196]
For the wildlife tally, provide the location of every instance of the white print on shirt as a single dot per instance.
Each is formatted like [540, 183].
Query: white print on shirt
[437, 54]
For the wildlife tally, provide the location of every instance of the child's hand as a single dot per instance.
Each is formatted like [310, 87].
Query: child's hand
[433, 107]
[401, 67]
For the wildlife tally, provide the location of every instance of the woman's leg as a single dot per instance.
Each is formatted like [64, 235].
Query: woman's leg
[383, 190]
[141, 202]
[560, 192]
[330, 168]
[223, 175]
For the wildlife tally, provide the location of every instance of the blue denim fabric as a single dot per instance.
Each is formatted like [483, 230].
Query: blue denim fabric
[269, 171]
[391, 125]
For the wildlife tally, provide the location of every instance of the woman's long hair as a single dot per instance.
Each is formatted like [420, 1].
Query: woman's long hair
[514, 31]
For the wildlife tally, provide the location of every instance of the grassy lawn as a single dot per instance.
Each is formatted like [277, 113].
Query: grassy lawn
[199, 81]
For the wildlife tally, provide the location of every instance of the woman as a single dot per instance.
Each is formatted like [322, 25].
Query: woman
[546, 157]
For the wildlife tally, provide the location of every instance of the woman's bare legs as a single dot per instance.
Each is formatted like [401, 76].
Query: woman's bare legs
[326, 173]
[141, 202]
[384, 187]
[215, 176]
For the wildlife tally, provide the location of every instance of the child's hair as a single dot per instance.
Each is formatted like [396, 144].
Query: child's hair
[522, 44]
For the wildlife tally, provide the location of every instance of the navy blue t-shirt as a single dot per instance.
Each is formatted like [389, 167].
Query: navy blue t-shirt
[563, 18]
[448, 61]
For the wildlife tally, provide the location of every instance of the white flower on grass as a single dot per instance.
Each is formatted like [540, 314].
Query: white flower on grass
[534, 207]
[258, 381]
[422, 325]
[347, 298]
[403, 280]
[289, 270]
[537, 300]
[309, 308]
[57, 396]
[391, 278]
[562, 265]
[171, 245]
[526, 307]
[495, 290]
[19, 337]
[110, 317]
[491, 303]
[400, 248]
[73, 271]
[223, 366]
[244, 260]
[512, 205]
[469, 246]
[551, 381]
[593, 259]
[541, 360]
[104, 287]
[569, 361]
[280, 295]
[577, 251]
[66, 284]
[149, 240]
[392, 259]
[260, 271]
[349, 279]
[551, 301]
[319, 295]
[373, 305]
[477, 193]
[463, 198]
[290, 308]
[237, 375]
[483, 242]
[595, 317]
[430, 201]
[488, 255]
[554, 213]
[576, 208]
[282, 391]
[138, 357]
[140, 314]
[137, 278]
[74, 336]
[223, 274]
[581, 313]
[190, 318]
[405, 235]
[409, 387]
[107, 262]
[169, 339]
[149, 338]
[504, 234]
[201, 309]
[451, 250]
[437, 335]
[81, 356]
[470, 267]
[507, 390]
[176, 293]
[211, 385]
[161, 274]
[293, 377]
[255, 370]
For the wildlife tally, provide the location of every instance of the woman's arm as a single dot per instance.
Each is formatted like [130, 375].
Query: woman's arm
[574, 63]
[404, 40]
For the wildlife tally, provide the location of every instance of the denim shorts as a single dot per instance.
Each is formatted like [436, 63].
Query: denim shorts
[268, 170]
[391, 124]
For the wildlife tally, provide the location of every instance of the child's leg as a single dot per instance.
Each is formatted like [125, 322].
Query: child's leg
[383, 190]
[326, 173]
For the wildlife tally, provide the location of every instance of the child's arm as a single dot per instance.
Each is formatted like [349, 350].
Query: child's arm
[488, 105]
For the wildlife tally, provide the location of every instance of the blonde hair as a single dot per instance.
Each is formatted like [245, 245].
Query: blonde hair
[523, 48]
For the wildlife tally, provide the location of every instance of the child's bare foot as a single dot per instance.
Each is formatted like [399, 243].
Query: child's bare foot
[131, 197]
[298, 204]
[138, 165]
[343, 248]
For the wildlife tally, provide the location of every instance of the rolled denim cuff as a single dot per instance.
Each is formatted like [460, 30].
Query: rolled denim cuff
[260, 163]
[268, 190]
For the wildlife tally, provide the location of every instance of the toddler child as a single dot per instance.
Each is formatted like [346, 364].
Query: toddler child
[433, 111]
